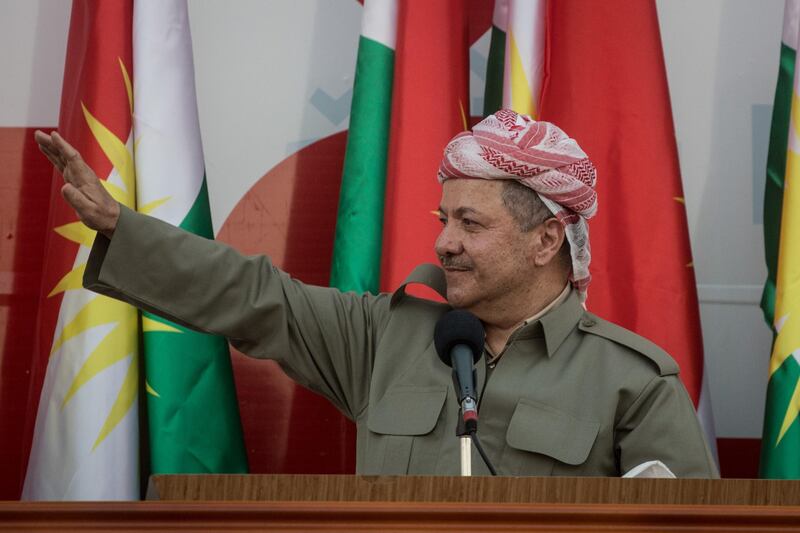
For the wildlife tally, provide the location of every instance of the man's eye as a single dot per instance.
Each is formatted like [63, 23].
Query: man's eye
[443, 220]
[468, 222]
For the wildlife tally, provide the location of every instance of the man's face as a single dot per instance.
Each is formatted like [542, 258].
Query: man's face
[485, 256]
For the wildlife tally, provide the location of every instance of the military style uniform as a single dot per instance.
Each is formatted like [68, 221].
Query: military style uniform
[571, 395]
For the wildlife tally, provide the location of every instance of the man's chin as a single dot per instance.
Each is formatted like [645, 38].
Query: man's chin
[458, 299]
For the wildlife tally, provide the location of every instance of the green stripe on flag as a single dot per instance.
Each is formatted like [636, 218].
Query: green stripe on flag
[780, 460]
[192, 408]
[198, 219]
[493, 95]
[359, 223]
[776, 166]
[780, 445]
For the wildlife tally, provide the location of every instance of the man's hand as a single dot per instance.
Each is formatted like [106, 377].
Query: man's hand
[82, 190]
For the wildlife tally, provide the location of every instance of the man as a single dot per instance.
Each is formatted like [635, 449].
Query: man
[562, 391]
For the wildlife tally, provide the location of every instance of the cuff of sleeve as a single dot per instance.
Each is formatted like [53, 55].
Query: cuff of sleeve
[102, 254]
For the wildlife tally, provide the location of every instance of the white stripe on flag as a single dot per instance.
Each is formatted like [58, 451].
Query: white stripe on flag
[791, 16]
[379, 22]
[169, 153]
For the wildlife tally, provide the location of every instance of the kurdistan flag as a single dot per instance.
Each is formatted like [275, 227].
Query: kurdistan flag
[359, 225]
[193, 415]
[518, 35]
[780, 446]
[86, 440]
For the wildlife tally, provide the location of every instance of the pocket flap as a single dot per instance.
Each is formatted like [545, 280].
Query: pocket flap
[407, 411]
[539, 428]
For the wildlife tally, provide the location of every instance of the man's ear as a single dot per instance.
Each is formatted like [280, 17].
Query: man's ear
[550, 237]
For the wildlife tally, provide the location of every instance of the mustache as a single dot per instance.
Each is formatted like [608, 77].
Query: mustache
[454, 262]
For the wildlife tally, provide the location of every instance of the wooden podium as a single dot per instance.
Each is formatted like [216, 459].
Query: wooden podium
[426, 503]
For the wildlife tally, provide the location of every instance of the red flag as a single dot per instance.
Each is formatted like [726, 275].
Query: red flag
[429, 106]
[605, 84]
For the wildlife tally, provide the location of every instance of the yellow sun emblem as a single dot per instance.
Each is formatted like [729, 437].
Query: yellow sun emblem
[121, 341]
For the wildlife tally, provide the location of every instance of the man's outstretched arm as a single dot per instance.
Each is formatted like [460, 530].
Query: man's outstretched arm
[82, 188]
[324, 339]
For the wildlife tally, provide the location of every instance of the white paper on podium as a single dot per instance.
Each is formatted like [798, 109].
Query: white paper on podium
[650, 469]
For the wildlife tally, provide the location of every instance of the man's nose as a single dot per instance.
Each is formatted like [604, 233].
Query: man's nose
[448, 242]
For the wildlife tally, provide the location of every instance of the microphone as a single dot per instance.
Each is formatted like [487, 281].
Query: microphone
[459, 339]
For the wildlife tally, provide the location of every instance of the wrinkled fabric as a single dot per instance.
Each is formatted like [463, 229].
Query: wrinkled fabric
[539, 155]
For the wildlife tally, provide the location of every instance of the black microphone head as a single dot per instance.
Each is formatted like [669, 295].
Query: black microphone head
[458, 327]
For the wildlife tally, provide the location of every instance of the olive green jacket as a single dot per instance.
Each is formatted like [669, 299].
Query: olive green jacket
[572, 394]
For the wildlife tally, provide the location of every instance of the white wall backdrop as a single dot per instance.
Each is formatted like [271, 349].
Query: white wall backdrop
[275, 76]
[722, 64]
[272, 77]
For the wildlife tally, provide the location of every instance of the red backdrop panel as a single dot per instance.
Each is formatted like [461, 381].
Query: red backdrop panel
[290, 215]
[25, 177]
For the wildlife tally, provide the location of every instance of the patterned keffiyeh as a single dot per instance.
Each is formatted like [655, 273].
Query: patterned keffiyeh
[539, 155]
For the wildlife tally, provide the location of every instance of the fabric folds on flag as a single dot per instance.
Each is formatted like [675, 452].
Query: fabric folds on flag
[429, 106]
[359, 226]
[780, 445]
[86, 439]
[192, 411]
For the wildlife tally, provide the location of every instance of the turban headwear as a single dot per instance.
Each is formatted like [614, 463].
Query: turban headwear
[540, 156]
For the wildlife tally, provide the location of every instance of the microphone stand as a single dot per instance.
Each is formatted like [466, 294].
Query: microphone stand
[467, 432]
[466, 445]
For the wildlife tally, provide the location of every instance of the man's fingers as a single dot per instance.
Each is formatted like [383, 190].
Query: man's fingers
[67, 151]
[77, 200]
[75, 170]
[99, 217]
[45, 143]
[41, 137]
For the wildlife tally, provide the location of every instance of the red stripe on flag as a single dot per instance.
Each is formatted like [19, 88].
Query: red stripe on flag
[429, 104]
[606, 86]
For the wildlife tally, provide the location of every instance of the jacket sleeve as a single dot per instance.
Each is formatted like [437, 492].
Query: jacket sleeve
[662, 424]
[323, 338]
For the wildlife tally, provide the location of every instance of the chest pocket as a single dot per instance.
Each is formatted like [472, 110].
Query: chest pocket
[401, 415]
[550, 434]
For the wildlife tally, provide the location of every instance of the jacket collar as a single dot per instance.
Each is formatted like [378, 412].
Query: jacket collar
[427, 274]
[558, 323]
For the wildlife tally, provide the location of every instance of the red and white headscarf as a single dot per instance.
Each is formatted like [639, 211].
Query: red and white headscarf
[539, 155]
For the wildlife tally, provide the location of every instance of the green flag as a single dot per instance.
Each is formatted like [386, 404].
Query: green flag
[193, 413]
[780, 447]
[359, 223]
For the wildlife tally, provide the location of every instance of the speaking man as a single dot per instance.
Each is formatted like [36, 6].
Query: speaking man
[561, 391]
